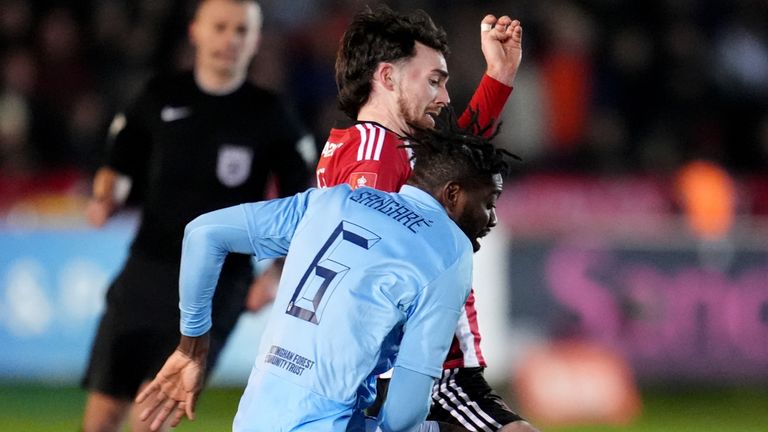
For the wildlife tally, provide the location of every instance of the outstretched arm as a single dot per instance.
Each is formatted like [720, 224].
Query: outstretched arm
[207, 240]
[174, 391]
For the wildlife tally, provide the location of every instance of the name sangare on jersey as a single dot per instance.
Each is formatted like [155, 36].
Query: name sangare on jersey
[400, 213]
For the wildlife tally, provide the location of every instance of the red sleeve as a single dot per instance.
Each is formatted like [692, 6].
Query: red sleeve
[350, 162]
[488, 101]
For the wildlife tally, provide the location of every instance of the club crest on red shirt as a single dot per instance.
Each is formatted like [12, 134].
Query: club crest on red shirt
[360, 179]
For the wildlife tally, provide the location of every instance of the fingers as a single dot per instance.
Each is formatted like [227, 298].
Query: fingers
[506, 27]
[151, 404]
[517, 31]
[161, 407]
[489, 20]
[167, 408]
[148, 390]
[501, 28]
[503, 23]
[190, 403]
[178, 415]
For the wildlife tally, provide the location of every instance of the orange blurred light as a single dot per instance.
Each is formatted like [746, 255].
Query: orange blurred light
[707, 195]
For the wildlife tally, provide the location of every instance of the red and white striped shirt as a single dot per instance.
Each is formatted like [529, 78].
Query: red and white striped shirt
[368, 154]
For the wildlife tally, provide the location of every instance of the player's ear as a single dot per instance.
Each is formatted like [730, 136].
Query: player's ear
[450, 196]
[384, 74]
[192, 32]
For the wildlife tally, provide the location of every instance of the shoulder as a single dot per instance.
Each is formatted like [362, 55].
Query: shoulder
[364, 131]
[339, 192]
[340, 143]
[453, 248]
[163, 89]
[368, 139]
[170, 82]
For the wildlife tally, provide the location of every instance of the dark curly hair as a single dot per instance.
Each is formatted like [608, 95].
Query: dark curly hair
[450, 152]
[376, 36]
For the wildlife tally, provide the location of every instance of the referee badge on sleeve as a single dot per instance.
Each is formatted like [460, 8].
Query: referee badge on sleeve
[360, 179]
[234, 164]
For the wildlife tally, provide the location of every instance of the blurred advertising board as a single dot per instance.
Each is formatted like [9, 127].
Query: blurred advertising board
[618, 262]
[52, 287]
[674, 312]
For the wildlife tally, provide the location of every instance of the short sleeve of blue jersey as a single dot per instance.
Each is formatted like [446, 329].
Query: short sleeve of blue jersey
[433, 318]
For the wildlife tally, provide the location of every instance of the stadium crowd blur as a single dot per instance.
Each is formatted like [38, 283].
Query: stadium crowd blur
[607, 88]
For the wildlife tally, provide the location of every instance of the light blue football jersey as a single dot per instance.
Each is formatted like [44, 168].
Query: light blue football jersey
[371, 280]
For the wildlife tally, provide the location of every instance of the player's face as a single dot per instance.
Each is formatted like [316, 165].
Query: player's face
[225, 34]
[475, 212]
[421, 87]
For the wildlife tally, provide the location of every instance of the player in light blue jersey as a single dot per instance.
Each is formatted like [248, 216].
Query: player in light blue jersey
[372, 280]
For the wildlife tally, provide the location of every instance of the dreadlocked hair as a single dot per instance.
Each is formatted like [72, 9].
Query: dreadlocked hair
[449, 152]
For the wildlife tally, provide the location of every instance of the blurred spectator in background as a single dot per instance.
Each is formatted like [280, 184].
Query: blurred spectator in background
[63, 73]
[32, 134]
[17, 111]
[16, 19]
[740, 55]
[193, 142]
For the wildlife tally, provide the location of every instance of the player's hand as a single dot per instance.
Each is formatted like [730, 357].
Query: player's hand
[264, 287]
[502, 43]
[174, 391]
[98, 211]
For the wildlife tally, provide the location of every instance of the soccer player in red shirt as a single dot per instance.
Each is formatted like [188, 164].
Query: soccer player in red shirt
[391, 73]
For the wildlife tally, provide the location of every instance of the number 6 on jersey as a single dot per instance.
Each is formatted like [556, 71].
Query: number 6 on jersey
[325, 272]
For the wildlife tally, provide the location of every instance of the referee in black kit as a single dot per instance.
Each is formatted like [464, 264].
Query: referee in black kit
[195, 142]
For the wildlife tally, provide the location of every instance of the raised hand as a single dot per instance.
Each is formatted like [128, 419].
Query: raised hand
[501, 41]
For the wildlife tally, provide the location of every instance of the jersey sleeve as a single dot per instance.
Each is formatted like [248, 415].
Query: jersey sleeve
[407, 402]
[262, 229]
[271, 224]
[293, 152]
[433, 318]
[129, 141]
[488, 102]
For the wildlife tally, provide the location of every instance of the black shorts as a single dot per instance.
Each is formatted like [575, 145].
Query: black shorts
[140, 327]
[463, 397]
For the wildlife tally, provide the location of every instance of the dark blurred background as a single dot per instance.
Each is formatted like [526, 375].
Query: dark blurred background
[606, 87]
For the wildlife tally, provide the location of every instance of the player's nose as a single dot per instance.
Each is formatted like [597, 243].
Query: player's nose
[492, 219]
[443, 98]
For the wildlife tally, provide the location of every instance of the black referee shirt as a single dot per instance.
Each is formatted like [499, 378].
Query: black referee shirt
[194, 152]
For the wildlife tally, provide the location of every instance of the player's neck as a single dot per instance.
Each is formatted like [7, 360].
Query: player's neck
[387, 116]
[218, 84]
